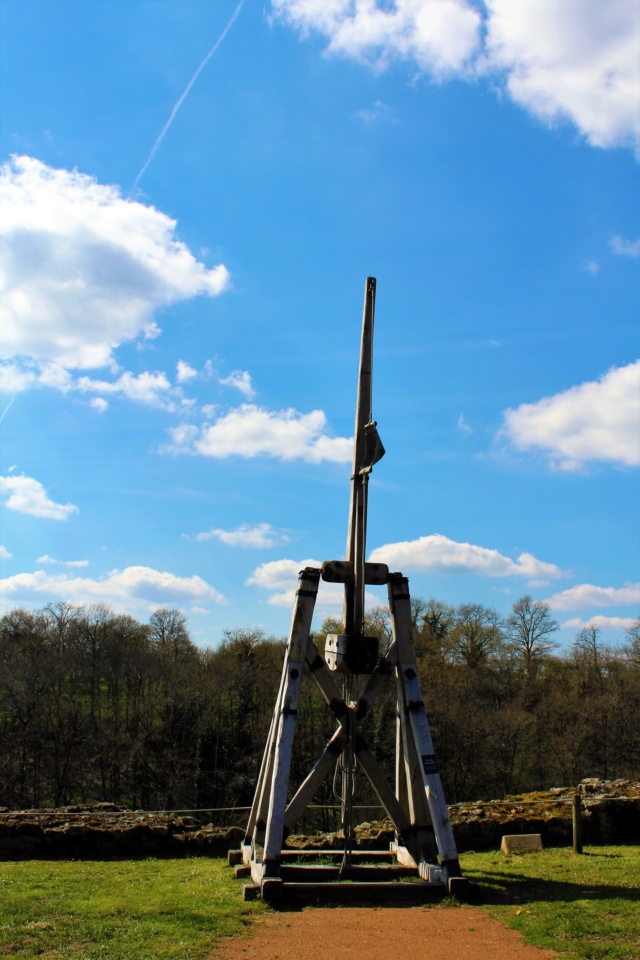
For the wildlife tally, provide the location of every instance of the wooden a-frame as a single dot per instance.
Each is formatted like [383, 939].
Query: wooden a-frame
[425, 845]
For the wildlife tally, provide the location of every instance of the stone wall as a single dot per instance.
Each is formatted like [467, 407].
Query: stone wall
[611, 814]
[103, 831]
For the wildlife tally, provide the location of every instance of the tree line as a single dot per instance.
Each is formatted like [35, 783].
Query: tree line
[96, 706]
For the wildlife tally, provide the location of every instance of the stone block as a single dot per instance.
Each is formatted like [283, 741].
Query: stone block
[521, 843]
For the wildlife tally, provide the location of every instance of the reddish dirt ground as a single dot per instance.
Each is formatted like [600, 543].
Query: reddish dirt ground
[359, 933]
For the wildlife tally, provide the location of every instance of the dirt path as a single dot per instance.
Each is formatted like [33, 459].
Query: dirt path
[358, 933]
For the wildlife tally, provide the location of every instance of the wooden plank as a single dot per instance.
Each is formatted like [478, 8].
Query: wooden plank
[387, 797]
[411, 696]
[429, 770]
[401, 623]
[376, 681]
[311, 784]
[260, 807]
[402, 855]
[326, 684]
[252, 848]
[383, 892]
[358, 856]
[259, 795]
[369, 873]
[295, 657]
[416, 795]
[401, 770]
[337, 571]
[341, 571]
[353, 609]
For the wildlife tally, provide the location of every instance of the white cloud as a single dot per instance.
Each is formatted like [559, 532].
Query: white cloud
[184, 372]
[598, 420]
[573, 60]
[62, 563]
[603, 623]
[27, 495]
[625, 248]
[589, 595]
[440, 38]
[241, 380]
[592, 267]
[281, 576]
[261, 535]
[25, 373]
[151, 389]
[379, 111]
[4, 553]
[131, 589]
[14, 378]
[84, 270]
[251, 431]
[438, 553]
[463, 426]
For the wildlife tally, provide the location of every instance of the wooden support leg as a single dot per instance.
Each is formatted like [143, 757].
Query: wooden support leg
[295, 657]
[418, 725]
[401, 771]
[254, 841]
[254, 834]
[416, 799]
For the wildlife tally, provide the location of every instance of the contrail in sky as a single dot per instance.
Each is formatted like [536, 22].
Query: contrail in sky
[7, 408]
[154, 148]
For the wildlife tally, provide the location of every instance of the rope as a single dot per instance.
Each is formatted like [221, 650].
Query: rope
[348, 765]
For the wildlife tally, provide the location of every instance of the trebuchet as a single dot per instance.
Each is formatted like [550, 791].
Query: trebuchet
[349, 677]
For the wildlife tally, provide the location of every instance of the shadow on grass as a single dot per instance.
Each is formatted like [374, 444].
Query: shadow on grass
[610, 856]
[504, 887]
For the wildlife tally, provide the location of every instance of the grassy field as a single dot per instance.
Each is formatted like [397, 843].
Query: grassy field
[126, 910]
[588, 906]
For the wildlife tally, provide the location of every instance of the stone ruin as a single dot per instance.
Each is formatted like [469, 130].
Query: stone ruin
[610, 810]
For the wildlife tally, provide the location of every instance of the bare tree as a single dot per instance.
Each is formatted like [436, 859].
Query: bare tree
[169, 635]
[633, 650]
[588, 649]
[477, 634]
[529, 629]
[433, 635]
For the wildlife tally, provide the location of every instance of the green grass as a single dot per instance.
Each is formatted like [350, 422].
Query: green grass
[127, 910]
[587, 906]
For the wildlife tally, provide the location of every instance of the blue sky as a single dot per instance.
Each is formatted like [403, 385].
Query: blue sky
[179, 340]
